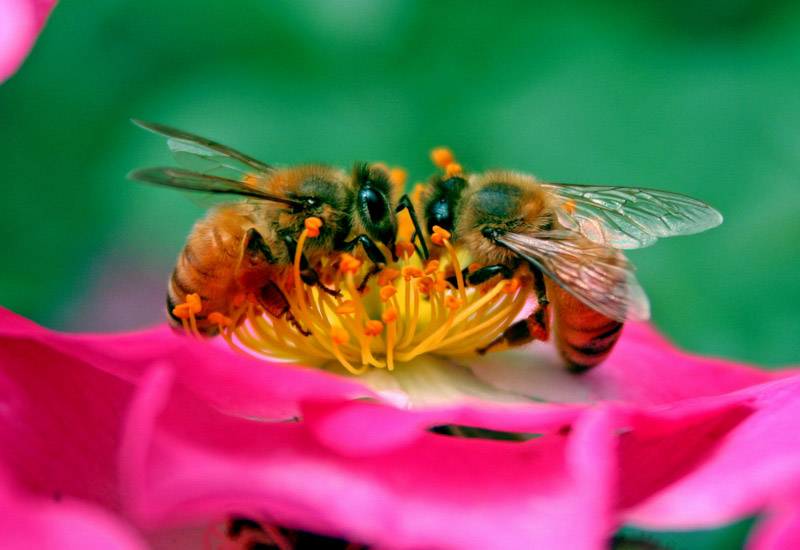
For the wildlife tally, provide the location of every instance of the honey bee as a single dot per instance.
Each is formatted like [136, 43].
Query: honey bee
[248, 247]
[567, 239]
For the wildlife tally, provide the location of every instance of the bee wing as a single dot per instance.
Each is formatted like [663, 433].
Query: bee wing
[630, 217]
[196, 181]
[205, 156]
[594, 273]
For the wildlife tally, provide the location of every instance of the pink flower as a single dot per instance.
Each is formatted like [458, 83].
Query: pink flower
[20, 24]
[155, 433]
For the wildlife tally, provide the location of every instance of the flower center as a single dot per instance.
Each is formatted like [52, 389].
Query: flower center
[366, 320]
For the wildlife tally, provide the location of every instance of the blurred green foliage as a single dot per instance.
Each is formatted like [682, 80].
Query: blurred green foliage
[699, 98]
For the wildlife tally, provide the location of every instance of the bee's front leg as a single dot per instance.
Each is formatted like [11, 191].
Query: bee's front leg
[373, 253]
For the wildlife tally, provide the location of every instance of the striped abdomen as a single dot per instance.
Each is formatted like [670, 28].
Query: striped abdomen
[208, 266]
[584, 337]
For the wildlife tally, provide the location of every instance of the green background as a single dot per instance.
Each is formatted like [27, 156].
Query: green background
[698, 99]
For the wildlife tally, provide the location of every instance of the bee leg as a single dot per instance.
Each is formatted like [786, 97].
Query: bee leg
[535, 326]
[307, 274]
[274, 302]
[373, 253]
[405, 203]
[483, 274]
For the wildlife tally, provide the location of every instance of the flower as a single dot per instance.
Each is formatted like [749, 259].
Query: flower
[20, 24]
[168, 433]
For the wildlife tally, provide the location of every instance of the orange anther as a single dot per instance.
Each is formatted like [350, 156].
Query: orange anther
[387, 276]
[441, 282]
[373, 328]
[387, 292]
[439, 235]
[193, 302]
[424, 285]
[452, 302]
[442, 156]
[364, 291]
[252, 298]
[410, 272]
[349, 264]
[339, 336]
[512, 285]
[346, 308]
[239, 298]
[452, 169]
[398, 177]
[431, 267]
[312, 226]
[389, 315]
[404, 250]
[181, 311]
[472, 268]
[219, 318]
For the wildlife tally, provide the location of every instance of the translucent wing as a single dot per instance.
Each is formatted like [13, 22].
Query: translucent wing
[207, 157]
[596, 274]
[195, 181]
[630, 217]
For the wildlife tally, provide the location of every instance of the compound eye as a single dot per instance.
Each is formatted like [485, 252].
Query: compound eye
[375, 204]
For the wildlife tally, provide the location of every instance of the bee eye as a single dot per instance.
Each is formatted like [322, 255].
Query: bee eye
[375, 203]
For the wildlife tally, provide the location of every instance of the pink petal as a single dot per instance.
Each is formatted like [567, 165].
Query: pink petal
[60, 420]
[20, 24]
[197, 465]
[737, 469]
[34, 522]
[780, 528]
[643, 369]
[236, 384]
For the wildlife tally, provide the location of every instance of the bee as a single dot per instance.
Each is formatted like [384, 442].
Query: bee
[566, 240]
[249, 246]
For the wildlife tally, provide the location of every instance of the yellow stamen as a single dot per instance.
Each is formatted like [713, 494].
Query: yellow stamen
[418, 308]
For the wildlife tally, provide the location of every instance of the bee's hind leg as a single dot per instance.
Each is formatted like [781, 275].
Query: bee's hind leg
[535, 326]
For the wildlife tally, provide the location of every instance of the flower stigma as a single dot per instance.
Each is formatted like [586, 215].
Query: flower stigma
[364, 320]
